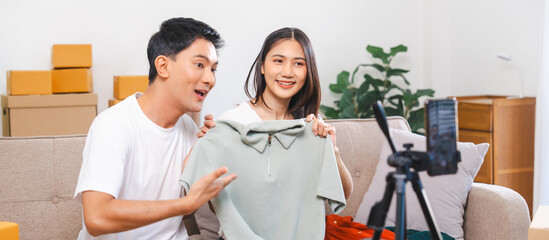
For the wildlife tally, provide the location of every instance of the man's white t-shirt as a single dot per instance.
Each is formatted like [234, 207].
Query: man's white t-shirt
[130, 157]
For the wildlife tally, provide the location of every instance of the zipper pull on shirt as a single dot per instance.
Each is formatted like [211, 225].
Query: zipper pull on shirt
[269, 156]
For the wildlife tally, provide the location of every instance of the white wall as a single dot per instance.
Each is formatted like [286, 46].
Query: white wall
[463, 38]
[452, 44]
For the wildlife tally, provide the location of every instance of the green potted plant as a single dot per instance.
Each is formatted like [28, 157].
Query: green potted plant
[397, 100]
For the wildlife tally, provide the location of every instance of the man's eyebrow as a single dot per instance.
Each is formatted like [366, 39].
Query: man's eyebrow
[205, 58]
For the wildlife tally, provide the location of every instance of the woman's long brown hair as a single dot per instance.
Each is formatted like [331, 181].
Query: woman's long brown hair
[307, 100]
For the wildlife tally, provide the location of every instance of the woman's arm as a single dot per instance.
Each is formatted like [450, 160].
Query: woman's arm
[345, 175]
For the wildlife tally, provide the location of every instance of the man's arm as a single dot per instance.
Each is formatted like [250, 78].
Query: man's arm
[104, 214]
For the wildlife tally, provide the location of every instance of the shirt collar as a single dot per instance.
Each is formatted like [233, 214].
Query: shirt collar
[256, 134]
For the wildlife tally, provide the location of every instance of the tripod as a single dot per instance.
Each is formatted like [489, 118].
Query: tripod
[396, 181]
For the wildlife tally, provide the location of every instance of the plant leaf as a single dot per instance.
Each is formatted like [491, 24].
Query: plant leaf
[396, 101]
[378, 86]
[396, 71]
[378, 53]
[425, 92]
[409, 99]
[329, 112]
[397, 49]
[346, 99]
[343, 79]
[416, 120]
[392, 111]
[336, 88]
[379, 67]
[366, 100]
[400, 75]
[363, 88]
[348, 112]
[369, 80]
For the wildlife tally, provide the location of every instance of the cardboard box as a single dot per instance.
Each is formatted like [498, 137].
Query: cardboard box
[125, 86]
[56, 114]
[9, 231]
[113, 102]
[74, 80]
[539, 228]
[28, 82]
[71, 56]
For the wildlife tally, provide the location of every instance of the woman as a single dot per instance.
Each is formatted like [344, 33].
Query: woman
[286, 87]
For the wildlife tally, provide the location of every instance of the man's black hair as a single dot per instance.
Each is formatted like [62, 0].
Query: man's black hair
[174, 36]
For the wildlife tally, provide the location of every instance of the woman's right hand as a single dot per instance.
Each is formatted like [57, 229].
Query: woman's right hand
[208, 123]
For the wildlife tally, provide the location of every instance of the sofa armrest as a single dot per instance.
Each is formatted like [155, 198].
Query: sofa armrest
[495, 212]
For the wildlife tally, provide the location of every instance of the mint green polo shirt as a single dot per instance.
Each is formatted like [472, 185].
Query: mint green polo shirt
[285, 174]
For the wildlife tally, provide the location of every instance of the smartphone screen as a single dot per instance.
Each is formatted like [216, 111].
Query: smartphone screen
[441, 134]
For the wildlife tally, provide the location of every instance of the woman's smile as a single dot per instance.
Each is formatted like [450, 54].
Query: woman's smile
[285, 84]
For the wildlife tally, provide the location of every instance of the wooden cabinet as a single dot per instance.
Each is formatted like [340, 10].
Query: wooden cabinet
[508, 125]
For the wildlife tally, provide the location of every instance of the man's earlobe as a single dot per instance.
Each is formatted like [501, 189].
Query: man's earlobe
[161, 64]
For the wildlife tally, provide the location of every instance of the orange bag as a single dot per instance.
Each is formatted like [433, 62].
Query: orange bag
[338, 228]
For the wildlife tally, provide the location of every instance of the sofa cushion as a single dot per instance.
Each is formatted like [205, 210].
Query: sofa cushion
[447, 193]
[359, 145]
[37, 181]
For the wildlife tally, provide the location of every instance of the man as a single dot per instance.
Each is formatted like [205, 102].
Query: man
[134, 151]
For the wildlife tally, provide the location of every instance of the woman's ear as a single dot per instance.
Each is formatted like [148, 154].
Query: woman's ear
[161, 64]
[263, 69]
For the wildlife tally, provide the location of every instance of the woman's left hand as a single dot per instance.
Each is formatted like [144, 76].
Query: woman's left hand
[320, 128]
[208, 124]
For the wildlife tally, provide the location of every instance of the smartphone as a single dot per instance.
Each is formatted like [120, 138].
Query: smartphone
[441, 133]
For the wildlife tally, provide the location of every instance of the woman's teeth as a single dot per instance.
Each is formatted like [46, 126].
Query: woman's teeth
[286, 83]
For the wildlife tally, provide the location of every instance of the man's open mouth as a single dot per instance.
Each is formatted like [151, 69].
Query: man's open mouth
[200, 93]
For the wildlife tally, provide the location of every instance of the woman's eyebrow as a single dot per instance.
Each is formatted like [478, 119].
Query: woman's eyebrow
[282, 56]
[278, 55]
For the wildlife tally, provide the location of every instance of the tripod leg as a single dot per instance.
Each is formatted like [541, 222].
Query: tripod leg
[378, 213]
[426, 207]
[400, 228]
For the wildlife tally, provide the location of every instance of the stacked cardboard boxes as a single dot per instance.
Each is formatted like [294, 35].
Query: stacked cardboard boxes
[55, 102]
[71, 68]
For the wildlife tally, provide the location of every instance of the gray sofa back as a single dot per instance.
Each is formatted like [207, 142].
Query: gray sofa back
[359, 142]
[37, 180]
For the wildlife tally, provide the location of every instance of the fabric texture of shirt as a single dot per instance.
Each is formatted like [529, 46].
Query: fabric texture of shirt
[285, 174]
[130, 157]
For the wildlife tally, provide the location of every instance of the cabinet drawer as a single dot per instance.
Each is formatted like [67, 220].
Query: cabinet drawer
[486, 172]
[473, 116]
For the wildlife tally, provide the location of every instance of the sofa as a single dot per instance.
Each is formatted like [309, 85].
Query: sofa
[38, 176]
